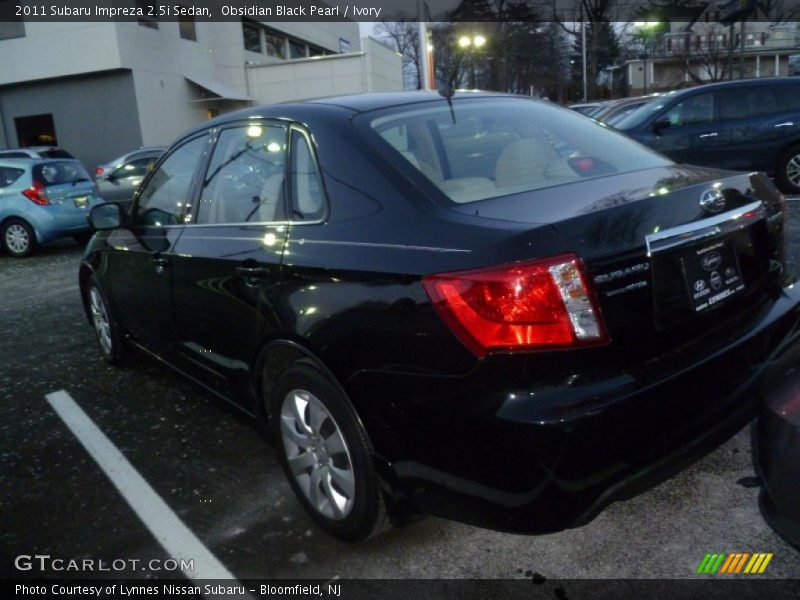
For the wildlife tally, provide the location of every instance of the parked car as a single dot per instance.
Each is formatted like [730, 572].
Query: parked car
[777, 452]
[747, 125]
[616, 110]
[35, 152]
[493, 310]
[41, 200]
[119, 179]
[587, 108]
[144, 151]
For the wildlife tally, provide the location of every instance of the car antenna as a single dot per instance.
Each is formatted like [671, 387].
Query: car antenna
[449, 90]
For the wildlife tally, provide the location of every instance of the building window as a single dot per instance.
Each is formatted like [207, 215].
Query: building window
[12, 29]
[275, 46]
[296, 49]
[314, 51]
[187, 27]
[252, 37]
[150, 11]
[36, 130]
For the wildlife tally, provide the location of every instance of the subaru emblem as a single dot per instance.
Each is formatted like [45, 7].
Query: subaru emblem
[712, 201]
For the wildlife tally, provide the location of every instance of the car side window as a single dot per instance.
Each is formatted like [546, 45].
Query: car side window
[9, 175]
[695, 110]
[747, 102]
[245, 178]
[134, 168]
[790, 94]
[164, 197]
[308, 199]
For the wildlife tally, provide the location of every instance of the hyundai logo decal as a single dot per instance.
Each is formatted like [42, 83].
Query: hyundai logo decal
[712, 201]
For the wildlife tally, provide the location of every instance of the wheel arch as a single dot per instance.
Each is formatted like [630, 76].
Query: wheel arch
[274, 357]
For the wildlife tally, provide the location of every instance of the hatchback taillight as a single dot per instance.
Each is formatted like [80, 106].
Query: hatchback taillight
[36, 194]
[532, 305]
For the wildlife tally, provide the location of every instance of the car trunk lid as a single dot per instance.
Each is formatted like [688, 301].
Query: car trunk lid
[671, 252]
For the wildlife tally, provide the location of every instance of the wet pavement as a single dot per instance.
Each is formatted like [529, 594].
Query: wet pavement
[215, 471]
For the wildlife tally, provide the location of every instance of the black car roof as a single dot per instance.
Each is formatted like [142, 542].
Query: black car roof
[356, 103]
[738, 83]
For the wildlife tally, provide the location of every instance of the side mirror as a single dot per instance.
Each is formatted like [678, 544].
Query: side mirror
[660, 125]
[105, 216]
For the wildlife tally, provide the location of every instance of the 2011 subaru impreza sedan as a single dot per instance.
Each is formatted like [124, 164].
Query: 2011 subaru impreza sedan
[486, 307]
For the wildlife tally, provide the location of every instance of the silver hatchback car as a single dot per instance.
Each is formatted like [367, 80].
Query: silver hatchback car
[41, 200]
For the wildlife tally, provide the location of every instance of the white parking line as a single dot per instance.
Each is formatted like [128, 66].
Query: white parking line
[177, 539]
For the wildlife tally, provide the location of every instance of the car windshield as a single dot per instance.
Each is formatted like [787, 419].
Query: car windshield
[60, 172]
[489, 147]
[643, 113]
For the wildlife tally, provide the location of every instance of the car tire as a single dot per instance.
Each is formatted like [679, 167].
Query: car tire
[83, 238]
[106, 330]
[326, 454]
[18, 238]
[787, 171]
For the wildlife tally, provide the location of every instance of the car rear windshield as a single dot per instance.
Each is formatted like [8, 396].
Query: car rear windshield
[489, 147]
[60, 172]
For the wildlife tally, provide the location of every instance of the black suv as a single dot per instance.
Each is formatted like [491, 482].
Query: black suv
[748, 125]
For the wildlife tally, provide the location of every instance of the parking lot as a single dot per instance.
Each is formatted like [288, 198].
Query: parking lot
[214, 471]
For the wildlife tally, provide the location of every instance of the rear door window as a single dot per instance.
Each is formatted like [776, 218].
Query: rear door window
[748, 102]
[790, 95]
[9, 175]
[245, 179]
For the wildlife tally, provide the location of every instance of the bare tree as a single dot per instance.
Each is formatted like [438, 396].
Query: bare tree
[704, 52]
[600, 36]
[404, 38]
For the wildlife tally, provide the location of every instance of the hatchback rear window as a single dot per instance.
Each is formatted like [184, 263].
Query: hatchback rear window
[485, 148]
[9, 175]
[60, 172]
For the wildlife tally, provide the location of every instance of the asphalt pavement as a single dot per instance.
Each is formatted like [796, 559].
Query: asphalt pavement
[212, 470]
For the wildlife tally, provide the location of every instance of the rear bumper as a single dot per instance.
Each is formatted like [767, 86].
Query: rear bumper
[52, 222]
[496, 450]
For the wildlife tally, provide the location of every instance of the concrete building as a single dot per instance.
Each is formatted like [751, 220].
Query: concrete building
[698, 46]
[101, 89]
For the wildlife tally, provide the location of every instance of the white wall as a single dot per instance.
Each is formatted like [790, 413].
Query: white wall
[378, 69]
[59, 49]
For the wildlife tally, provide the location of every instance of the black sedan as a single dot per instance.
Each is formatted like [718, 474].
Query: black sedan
[487, 308]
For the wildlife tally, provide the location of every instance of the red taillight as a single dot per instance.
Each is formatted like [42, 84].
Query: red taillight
[36, 194]
[98, 170]
[532, 305]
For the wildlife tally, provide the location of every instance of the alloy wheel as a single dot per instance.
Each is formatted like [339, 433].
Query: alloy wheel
[17, 238]
[100, 320]
[793, 170]
[317, 454]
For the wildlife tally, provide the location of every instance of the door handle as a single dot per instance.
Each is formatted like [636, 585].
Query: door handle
[252, 271]
[160, 263]
[785, 124]
[713, 134]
